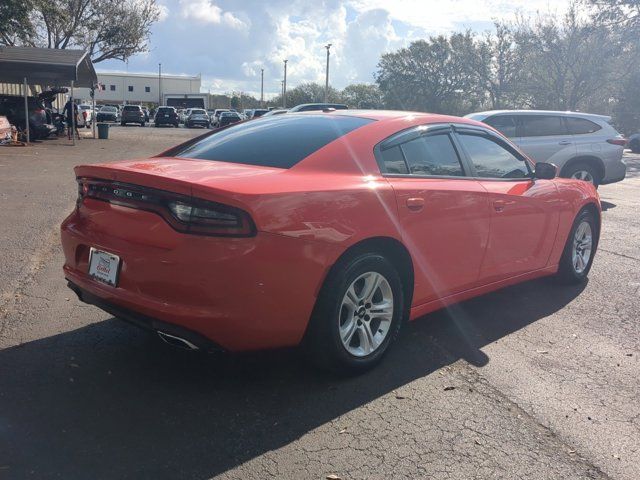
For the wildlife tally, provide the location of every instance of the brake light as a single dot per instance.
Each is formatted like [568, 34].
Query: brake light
[618, 141]
[84, 115]
[185, 214]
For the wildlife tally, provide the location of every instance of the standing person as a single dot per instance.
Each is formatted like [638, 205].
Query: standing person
[71, 111]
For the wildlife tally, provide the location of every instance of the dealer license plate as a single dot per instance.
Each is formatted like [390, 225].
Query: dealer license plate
[104, 266]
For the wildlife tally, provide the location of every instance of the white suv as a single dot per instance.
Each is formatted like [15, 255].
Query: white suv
[581, 145]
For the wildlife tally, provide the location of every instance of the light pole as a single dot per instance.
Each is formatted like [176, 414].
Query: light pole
[284, 86]
[262, 88]
[326, 82]
[159, 84]
[282, 89]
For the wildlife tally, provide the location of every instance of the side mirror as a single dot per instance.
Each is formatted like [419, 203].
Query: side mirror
[545, 171]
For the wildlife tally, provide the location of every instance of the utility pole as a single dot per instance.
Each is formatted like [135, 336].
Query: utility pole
[326, 82]
[282, 90]
[159, 84]
[284, 86]
[262, 88]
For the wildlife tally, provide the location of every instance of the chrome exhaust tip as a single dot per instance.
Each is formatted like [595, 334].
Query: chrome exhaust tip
[176, 341]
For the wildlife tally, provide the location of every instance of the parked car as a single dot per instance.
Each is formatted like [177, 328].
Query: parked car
[12, 107]
[324, 230]
[85, 115]
[275, 111]
[216, 116]
[227, 118]
[258, 112]
[581, 145]
[166, 116]
[197, 117]
[634, 142]
[132, 114]
[308, 107]
[108, 113]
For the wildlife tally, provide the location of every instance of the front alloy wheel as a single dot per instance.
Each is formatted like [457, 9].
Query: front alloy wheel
[582, 245]
[580, 248]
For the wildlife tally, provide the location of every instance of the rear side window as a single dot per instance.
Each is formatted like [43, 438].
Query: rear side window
[581, 126]
[280, 141]
[394, 160]
[542, 125]
[505, 124]
[432, 155]
[492, 160]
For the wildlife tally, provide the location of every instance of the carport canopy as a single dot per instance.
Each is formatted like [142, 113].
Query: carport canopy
[47, 66]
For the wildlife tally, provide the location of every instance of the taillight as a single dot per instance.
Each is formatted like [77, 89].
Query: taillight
[618, 141]
[84, 115]
[185, 214]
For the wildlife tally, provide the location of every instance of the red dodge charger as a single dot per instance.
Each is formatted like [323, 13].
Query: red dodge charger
[325, 230]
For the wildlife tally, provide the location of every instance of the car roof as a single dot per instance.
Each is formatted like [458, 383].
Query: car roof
[489, 113]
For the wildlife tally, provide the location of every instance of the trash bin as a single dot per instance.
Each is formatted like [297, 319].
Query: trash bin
[103, 131]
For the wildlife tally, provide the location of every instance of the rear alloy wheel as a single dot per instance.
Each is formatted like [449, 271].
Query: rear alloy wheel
[358, 315]
[580, 249]
[583, 171]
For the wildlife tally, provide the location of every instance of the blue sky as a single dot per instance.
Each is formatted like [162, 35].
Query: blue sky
[229, 41]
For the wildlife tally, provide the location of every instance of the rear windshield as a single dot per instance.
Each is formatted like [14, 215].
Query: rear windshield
[198, 112]
[280, 141]
[131, 108]
[108, 109]
[166, 110]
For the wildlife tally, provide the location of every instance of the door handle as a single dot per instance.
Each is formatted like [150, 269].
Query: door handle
[415, 204]
[565, 142]
[499, 205]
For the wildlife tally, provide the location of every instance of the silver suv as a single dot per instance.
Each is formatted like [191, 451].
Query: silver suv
[581, 145]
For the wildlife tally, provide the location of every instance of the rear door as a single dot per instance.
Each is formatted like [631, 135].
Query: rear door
[524, 210]
[444, 214]
[545, 138]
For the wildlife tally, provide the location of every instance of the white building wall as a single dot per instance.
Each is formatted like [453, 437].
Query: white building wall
[139, 88]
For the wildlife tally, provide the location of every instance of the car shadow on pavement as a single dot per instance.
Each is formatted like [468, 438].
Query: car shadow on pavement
[109, 401]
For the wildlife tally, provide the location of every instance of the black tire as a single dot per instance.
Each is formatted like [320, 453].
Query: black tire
[142, 124]
[583, 167]
[122, 124]
[567, 272]
[634, 145]
[322, 341]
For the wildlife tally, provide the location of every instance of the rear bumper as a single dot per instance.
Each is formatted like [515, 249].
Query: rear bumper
[143, 321]
[614, 171]
[240, 293]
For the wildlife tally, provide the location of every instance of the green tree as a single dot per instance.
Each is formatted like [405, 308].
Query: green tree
[440, 75]
[626, 113]
[108, 29]
[15, 25]
[363, 95]
[307, 93]
[573, 64]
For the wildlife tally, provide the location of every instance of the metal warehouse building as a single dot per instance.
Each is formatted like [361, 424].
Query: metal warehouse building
[142, 88]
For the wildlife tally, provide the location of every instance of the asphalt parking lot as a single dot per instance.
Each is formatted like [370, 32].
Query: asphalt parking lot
[536, 381]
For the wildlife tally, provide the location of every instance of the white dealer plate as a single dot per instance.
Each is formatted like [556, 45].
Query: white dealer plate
[104, 266]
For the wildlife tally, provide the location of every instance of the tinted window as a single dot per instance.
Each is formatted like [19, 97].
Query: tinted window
[198, 112]
[580, 126]
[131, 108]
[280, 141]
[505, 124]
[432, 155]
[492, 160]
[394, 160]
[166, 110]
[542, 125]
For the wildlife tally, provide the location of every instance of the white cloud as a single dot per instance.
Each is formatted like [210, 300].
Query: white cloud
[207, 12]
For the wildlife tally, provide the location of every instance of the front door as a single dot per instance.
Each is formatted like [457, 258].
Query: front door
[524, 212]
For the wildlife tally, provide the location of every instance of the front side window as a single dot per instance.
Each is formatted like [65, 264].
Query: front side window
[581, 126]
[432, 155]
[542, 125]
[505, 124]
[492, 160]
